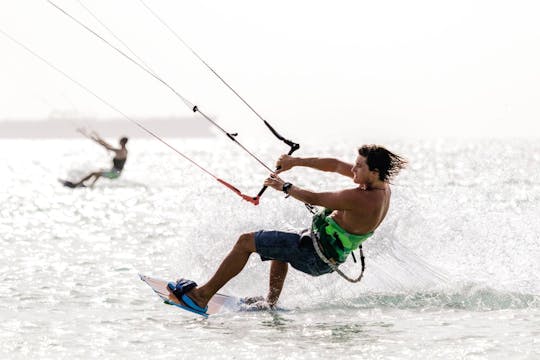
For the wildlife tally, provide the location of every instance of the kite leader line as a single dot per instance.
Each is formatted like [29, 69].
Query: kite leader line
[41, 58]
[293, 146]
[194, 108]
[114, 35]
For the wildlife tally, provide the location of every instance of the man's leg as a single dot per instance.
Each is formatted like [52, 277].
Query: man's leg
[278, 273]
[231, 266]
[87, 177]
[97, 175]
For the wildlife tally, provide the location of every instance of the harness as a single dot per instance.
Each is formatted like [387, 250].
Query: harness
[331, 239]
[118, 164]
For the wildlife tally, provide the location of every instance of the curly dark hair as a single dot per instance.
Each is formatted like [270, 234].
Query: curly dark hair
[385, 162]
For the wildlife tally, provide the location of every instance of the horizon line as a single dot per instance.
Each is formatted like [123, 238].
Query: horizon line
[110, 127]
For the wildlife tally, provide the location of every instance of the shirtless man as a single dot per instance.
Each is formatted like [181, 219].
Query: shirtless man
[120, 157]
[349, 217]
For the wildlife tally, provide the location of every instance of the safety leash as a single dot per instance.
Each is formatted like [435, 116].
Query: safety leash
[332, 264]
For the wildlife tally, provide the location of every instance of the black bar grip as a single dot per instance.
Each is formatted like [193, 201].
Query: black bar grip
[294, 147]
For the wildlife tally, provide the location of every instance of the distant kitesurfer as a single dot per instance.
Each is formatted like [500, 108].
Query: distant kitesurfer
[349, 217]
[120, 157]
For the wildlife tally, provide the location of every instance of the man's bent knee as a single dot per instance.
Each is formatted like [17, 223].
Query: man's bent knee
[246, 242]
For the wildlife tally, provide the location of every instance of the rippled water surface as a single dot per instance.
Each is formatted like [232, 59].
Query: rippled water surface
[452, 273]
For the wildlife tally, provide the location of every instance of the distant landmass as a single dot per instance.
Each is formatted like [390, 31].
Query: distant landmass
[67, 128]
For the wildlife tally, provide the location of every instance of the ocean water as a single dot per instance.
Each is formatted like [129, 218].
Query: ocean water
[453, 272]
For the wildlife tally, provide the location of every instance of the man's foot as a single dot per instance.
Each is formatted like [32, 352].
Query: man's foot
[186, 293]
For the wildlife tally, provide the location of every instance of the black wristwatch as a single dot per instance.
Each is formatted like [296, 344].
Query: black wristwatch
[286, 187]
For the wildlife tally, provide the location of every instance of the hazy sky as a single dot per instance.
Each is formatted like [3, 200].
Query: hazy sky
[426, 68]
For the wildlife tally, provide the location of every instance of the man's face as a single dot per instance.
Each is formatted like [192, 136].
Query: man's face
[360, 170]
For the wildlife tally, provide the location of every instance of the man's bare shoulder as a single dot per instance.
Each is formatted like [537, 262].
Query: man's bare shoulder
[353, 198]
[367, 200]
[120, 152]
[361, 193]
[365, 210]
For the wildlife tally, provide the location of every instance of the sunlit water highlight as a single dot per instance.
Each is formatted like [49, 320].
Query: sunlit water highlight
[451, 274]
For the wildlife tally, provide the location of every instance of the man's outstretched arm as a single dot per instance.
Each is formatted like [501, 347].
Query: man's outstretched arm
[94, 136]
[287, 162]
[102, 142]
[343, 199]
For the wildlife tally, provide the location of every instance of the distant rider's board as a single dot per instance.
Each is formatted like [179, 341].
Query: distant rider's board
[219, 303]
[70, 184]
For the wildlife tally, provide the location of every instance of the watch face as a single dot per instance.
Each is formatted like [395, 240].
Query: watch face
[286, 187]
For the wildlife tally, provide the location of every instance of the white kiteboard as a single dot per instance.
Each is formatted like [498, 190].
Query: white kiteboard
[219, 303]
